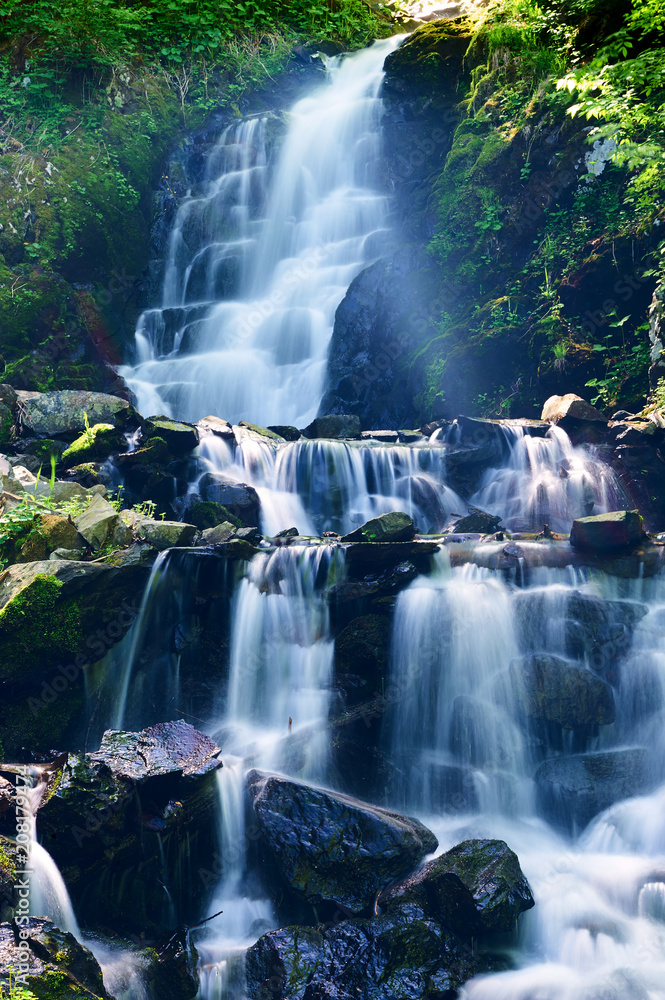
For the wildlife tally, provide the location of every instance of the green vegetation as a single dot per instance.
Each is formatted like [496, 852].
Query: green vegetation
[93, 95]
[548, 210]
[15, 990]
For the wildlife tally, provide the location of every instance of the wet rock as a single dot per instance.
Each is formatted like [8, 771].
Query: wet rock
[287, 533]
[476, 521]
[180, 437]
[8, 396]
[172, 970]
[97, 522]
[257, 431]
[554, 690]
[96, 443]
[361, 656]
[120, 819]
[215, 425]
[387, 437]
[240, 500]
[478, 887]
[166, 534]
[389, 582]
[58, 967]
[207, 514]
[334, 425]
[635, 433]
[572, 790]
[220, 533]
[63, 414]
[434, 55]
[607, 532]
[394, 527]
[565, 409]
[329, 847]
[286, 431]
[399, 954]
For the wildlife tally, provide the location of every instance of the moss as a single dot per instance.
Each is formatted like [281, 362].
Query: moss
[37, 623]
[95, 442]
[7, 865]
[208, 514]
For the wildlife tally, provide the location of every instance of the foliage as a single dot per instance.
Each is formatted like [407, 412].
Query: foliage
[14, 989]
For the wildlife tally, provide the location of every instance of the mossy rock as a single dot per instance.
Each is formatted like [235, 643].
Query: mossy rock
[431, 61]
[208, 514]
[54, 625]
[98, 442]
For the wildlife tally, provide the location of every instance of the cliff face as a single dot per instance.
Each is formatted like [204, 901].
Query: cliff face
[533, 246]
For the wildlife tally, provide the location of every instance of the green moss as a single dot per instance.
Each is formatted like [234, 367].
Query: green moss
[37, 622]
[208, 514]
[95, 442]
[7, 866]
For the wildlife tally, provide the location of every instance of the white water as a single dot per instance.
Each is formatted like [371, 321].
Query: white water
[261, 257]
[597, 931]
[320, 486]
[545, 480]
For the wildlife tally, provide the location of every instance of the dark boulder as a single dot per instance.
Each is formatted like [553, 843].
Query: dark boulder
[286, 431]
[361, 656]
[240, 500]
[400, 954]
[477, 887]
[572, 790]
[332, 848]
[393, 527]
[58, 967]
[607, 532]
[433, 57]
[476, 522]
[549, 688]
[334, 425]
[120, 818]
[180, 437]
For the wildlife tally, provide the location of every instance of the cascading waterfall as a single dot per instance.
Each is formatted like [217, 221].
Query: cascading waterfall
[336, 485]
[260, 259]
[465, 759]
[546, 480]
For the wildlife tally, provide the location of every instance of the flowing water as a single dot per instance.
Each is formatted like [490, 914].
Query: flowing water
[261, 256]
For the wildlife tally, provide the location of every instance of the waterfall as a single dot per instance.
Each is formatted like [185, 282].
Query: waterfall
[260, 258]
[465, 760]
[48, 892]
[336, 485]
[546, 480]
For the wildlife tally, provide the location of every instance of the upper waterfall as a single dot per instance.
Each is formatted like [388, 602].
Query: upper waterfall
[260, 258]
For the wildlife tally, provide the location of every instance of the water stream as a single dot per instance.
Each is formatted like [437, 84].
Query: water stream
[259, 258]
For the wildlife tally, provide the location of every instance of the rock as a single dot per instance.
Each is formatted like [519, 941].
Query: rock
[261, 432]
[334, 425]
[389, 582]
[10, 860]
[286, 431]
[476, 522]
[119, 820]
[393, 527]
[239, 499]
[97, 522]
[58, 967]
[477, 887]
[50, 532]
[302, 825]
[400, 954]
[8, 396]
[433, 57]
[63, 414]
[21, 480]
[97, 442]
[572, 790]
[220, 533]
[208, 514]
[387, 437]
[63, 492]
[570, 408]
[618, 529]
[180, 437]
[73, 554]
[250, 535]
[166, 534]
[6, 424]
[551, 689]
[287, 533]
[215, 425]
[409, 437]
[361, 656]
